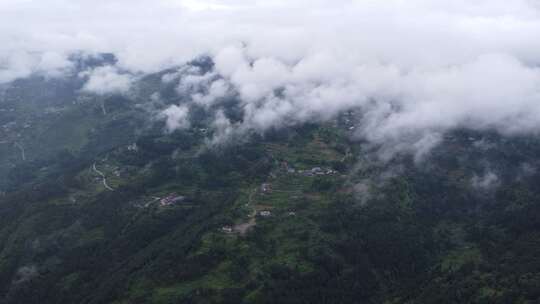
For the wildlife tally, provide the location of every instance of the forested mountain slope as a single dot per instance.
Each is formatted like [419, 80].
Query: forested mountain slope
[106, 206]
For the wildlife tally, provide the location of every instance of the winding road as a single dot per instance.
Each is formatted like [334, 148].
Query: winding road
[103, 177]
[23, 155]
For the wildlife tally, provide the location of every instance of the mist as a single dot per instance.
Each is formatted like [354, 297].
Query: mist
[415, 69]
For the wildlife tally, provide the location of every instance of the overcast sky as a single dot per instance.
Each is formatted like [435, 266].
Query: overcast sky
[416, 67]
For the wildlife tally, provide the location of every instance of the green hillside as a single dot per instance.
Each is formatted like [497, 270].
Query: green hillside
[109, 208]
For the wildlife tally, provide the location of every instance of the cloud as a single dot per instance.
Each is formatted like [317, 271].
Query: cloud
[415, 69]
[224, 130]
[106, 80]
[25, 273]
[15, 65]
[216, 90]
[485, 182]
[176, 117]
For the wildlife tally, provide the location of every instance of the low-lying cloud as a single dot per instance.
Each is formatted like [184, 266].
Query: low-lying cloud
[486, 182]
[15, 65]
[106, 80]
[176, 118]
[415, 69]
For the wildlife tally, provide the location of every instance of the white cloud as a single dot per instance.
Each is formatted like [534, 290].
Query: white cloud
[14, 65]
[216, 90]
[416, 68]
[107, 80]
[223, 129]
[176, 117]
[485, 182]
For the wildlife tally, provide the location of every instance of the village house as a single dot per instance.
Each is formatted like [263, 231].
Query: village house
[133, 147]
[227, 229]
[265, 213]
[330, 172]
[289, 169]
[317, 171]
[171, 199]
[266, 188]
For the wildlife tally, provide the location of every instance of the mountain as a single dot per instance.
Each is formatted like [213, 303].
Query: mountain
[101, 203]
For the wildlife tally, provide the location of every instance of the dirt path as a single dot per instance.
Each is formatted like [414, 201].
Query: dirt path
[243, 228]
[250, 198]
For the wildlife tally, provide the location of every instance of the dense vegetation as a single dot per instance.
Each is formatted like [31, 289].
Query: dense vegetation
[297, 215]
